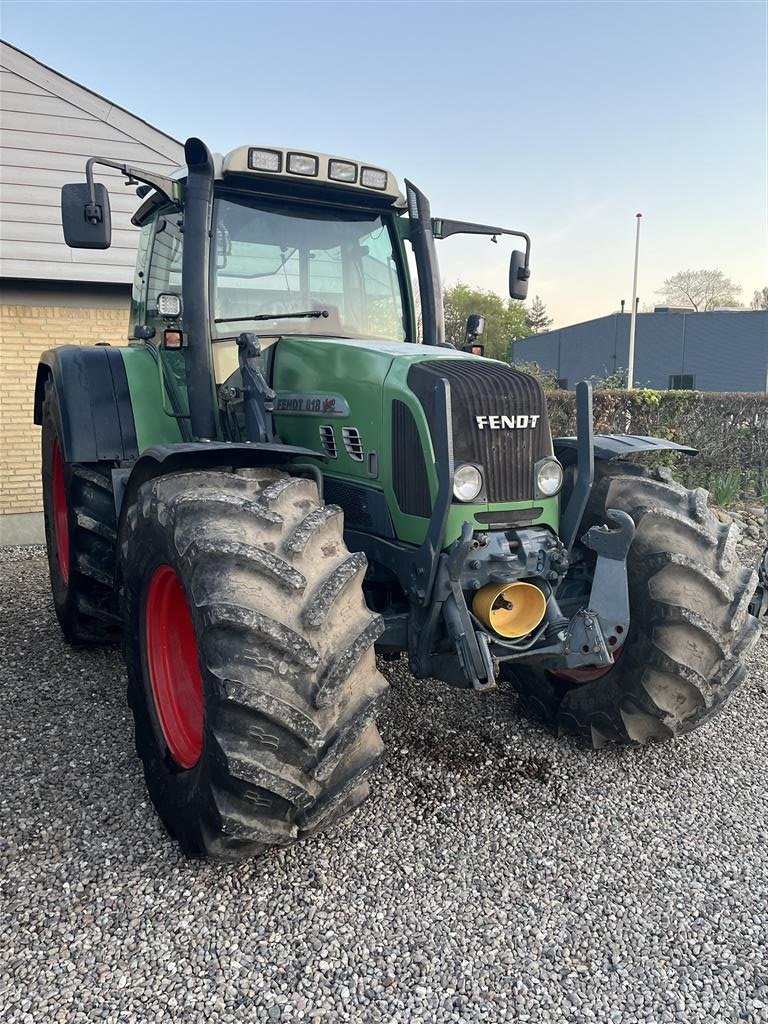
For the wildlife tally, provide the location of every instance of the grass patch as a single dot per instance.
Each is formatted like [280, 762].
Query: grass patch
[726, 488]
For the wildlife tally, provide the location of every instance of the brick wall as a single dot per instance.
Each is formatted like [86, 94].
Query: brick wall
[25, 332]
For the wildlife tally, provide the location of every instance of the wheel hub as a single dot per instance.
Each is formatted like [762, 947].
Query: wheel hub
[174, 670]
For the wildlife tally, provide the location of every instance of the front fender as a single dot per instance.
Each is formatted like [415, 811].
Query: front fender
[162, 459]
[94, 401]
[612, 446]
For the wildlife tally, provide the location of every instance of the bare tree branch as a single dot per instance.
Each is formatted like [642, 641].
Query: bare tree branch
[701, 289]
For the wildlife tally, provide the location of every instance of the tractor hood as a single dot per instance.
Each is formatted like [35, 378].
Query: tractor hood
[369, 408]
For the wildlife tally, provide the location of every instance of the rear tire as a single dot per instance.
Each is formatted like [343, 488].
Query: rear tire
[80, 534]
[689, 630]
[289, 690]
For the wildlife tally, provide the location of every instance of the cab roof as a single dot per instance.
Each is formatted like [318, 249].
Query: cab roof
[309, 167]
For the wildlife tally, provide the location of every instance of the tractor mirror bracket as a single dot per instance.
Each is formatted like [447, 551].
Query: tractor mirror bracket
[520, 262]
[85, 212]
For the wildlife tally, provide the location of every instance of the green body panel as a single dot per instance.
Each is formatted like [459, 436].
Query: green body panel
[461, 513]
[368, 376]
[153, 424]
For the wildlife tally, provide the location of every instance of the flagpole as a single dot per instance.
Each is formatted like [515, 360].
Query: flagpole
[633, 319]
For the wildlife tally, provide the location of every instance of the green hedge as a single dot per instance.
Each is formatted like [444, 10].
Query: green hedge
[729, 429]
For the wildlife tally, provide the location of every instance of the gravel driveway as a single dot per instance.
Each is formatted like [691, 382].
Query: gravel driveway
[496, 874]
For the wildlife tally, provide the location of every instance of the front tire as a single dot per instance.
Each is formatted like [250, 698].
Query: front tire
[689, 630]
[266, 733]
[80, 534]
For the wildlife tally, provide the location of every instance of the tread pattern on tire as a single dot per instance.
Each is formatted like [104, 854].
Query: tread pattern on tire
[271, 586]
[690, 628]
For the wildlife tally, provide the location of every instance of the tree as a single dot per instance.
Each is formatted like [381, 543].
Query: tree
[547, 378]
[702, 289]
[505, 320]
[760, 299]
[537, 318]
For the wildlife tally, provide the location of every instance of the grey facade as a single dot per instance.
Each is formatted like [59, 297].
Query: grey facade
[50, 126]
[721, 351]
[49, 294]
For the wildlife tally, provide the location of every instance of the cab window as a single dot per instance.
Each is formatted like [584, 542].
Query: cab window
[281, 258]
[164, 273]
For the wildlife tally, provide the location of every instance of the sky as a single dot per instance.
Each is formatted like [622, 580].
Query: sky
[563, 120]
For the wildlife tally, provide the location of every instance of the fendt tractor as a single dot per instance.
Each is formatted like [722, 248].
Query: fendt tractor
[276, 480]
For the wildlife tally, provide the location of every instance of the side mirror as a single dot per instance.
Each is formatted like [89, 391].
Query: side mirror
[518, 276]
[86, 225]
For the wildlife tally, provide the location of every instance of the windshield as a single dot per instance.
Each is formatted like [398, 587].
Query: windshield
[280, 258]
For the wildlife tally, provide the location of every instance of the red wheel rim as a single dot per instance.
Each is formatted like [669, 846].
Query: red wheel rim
[583, 675]
[60, 513]
[174, 671]
[589, 674]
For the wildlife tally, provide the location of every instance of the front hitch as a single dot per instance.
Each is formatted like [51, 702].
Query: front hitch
[600, 628]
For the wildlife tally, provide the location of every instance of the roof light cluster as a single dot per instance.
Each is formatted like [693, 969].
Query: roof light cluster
[307, 165]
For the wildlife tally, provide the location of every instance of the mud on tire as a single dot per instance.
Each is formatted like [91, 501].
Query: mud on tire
[285, 645]
[690, 627]
[83, 580]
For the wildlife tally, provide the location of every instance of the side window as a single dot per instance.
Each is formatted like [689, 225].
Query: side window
[164, 264]
[164, 276]
[139, 293]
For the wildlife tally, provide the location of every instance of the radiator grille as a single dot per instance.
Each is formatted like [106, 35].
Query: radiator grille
[365, 508]
[409, 474]
[488, 389]
[351, 499]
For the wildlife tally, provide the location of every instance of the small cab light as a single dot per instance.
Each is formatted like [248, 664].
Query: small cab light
[342, 170]
[173, 338]
[302, 163]
[265, 160]
[372, 177]
[475, 330]
[169, 305]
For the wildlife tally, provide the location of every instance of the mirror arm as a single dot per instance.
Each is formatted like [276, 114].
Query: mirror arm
[133, 174]
[444, 228]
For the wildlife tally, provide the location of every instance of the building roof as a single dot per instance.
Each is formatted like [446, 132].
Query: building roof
[50, 126]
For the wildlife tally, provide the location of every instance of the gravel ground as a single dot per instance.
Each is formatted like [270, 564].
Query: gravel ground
[496, 874]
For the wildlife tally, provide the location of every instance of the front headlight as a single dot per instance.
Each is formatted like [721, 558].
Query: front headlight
[467, 483]
[549, 478]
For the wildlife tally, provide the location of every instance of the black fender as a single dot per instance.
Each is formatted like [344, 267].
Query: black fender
[94, 400]
[162, 459]
[612, 446]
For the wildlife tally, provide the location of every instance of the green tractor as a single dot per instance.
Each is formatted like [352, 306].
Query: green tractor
[274, 481]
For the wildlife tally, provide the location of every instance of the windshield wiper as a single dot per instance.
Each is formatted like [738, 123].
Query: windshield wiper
[271, 316]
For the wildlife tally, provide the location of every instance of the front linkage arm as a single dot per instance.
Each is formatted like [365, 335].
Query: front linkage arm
[602, 626]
